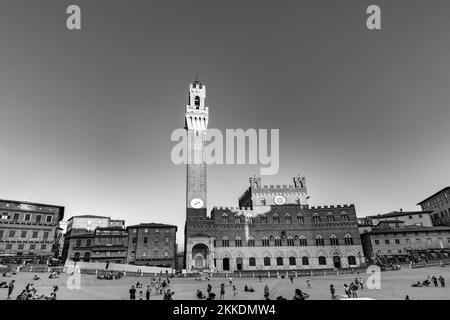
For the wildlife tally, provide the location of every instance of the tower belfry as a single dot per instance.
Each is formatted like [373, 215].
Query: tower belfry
[196, 124]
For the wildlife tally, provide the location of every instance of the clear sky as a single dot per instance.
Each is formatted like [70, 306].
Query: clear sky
[86, 116]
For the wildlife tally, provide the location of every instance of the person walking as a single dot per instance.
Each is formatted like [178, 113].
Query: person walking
[442, 281]
[132, 293]
[10, 289]
[266, 292]
[333, 292]
[147, 293]
[222, 291]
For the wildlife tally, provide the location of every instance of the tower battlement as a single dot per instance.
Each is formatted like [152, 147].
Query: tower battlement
[339, 206]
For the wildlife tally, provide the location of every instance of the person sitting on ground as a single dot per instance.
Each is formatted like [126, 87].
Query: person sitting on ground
[211, 296]
[200, 295]
[3, 284]
[281, 298]
[168, 295]
[416, 285]
[426, 283]
[5, 274]
[52, 275]
[299, 295]
[35, 277]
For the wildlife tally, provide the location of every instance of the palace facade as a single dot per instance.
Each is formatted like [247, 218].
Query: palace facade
[273, 228]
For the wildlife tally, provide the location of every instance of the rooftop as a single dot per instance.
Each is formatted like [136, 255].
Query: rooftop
[433, 195]
[400, 214]
[89, 216]
[152, 225]
[411, 229]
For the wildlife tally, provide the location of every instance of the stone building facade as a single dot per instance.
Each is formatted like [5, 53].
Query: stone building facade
[273, 228]
[152, 244]
[439, 204]
[28, 231]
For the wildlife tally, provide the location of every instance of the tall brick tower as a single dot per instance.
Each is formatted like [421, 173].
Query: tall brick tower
[196, 124]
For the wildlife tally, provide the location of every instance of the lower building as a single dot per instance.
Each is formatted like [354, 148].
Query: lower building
[152, 244]
[439, 204]
[28, 231]
[391, 244]
[110, 245]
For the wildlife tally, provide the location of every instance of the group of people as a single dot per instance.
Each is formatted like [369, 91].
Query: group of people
[110, 276]
[161, 287]
[427, 282]
[30, 292]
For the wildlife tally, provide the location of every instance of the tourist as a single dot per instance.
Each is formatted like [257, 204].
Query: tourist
[435, 281]
[299, 295]
[361, 283]
[35, 277]
[347, 291]
[332, 291]
[260, 279]
[266, 292]
[354, 290]
[141, 295]
[407, 297]
[10, 289]
[168, 295]
[442, 281]
[308, 283]
[132, 293]
[147, 293]
[292, 279]
[234, 290]
[200, 295]
[231, 281]
[222, 291]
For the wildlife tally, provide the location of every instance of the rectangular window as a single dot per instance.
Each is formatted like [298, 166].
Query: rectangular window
[145, 239]
[32, 247]
[20, 247]
[35, 234]
[144, 254]
[8, 246]
[1, 234]
[167, 239]
[12, 233]
[397, 241]
[16, 217]
[38, 218]
[408, 241]
[377, 241]
[45, 235]
[5, 216]
[49, 219]
[23, 234]
[386, 241]
[27, 217]
[155, 254]
[43, 247]
[133, 240]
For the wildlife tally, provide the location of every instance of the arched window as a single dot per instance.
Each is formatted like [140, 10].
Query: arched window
[316, 218]
[344, 217]
[322, 261]
[305, 261]
[88, 243]
[237, 219]
[276, 218]
[197, 101]
[251, 242]
[225, 242]
[330, 217]
[303, 241]
[290, 241]
[334, 240]
[267, 261]
[249, 219]
[76, 257]
[348, 240]
[287, 218]
[278, 242]
[297, 201]
[319, 241]
[263, 218]
[238, 242]
[265, 242]
[279, 261]
[263, 202]
[78, 244]
[252, 262]
[351, 260]
[300, 218]
[224, 218]
[292, 261]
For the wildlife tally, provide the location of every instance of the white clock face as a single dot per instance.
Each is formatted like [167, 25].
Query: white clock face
[279, 200]
[197, 203]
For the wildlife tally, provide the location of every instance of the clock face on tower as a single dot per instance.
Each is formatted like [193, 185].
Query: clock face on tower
[279, 200]
[197, 203]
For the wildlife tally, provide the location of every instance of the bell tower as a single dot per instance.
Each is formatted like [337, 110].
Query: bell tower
[196, 124]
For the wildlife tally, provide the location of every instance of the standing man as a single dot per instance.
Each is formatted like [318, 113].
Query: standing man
[133, 293]
[10, 289]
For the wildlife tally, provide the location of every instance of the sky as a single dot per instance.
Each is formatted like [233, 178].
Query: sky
[86, 116]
